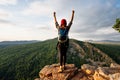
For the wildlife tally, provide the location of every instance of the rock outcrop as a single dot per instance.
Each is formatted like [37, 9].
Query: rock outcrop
[87, 72]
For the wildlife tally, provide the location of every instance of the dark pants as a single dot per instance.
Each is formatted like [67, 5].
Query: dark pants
[62, 50]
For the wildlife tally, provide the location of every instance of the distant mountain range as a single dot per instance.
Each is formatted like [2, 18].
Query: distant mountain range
[104, 41]
[17, 42]
[12, 43]
[34, 41]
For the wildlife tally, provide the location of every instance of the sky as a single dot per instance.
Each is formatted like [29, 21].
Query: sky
[33, 19]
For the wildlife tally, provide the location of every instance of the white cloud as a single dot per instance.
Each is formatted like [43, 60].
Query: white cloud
[95, 20]
[4, 24]
[9, 31]
[4, 14]
[37, 8]
[6, 2]
[105, 31]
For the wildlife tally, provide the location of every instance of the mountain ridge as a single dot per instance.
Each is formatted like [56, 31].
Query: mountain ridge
[104, 42]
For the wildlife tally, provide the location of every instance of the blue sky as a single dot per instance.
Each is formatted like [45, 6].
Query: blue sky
[33, 19]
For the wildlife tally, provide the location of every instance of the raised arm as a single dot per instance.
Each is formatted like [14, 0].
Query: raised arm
[70, 23]
[56, 23]
[54, 14]
[72, 16]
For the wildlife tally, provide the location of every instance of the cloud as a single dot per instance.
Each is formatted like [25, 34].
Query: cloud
[4, 14]
[101, 34]
[39, 27]
[4, 17]
[6, 2]
[105, 30]
[93, 19]
[4, 21]
[5, 24]
[11, 31]
[96, 20]
[45, 7]
[37, 8]
[42, 27]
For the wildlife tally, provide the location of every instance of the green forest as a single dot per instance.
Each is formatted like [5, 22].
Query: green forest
[110, 49]
[23, 62]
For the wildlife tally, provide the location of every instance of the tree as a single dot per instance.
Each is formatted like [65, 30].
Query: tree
[116, 26]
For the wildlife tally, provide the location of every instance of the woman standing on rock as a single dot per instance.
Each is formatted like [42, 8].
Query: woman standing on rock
[63, 39]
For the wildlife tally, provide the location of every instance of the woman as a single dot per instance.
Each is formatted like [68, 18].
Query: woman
[63, 39]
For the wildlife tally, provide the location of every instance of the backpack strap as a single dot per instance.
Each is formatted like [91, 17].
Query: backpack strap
[62, 40]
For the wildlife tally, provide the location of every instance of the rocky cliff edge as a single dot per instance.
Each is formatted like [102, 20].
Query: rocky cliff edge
[87, 72]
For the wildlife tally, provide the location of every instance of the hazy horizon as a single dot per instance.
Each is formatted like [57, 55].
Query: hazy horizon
[56, 37]
[33, 19]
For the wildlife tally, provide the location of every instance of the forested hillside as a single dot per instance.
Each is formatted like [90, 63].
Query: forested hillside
[23, 62]
[110, 49]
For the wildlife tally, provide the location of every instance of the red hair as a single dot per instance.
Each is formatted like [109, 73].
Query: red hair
[63, 22]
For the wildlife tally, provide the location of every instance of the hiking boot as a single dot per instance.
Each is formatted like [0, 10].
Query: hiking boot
[64, 67]
[60, 69]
